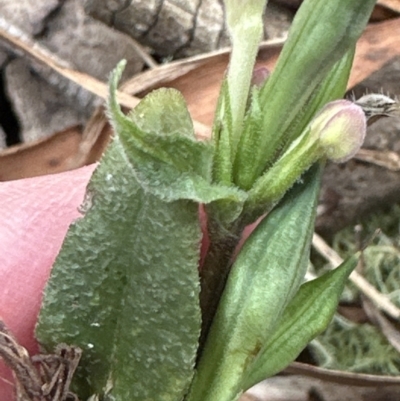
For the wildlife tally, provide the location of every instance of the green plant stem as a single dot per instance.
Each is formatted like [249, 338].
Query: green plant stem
[271, 187]
[214, 273]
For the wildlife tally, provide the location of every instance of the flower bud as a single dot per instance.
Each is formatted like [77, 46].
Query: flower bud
[341, 126]
[336, 132]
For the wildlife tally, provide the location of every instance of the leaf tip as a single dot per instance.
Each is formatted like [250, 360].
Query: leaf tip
[112, 103]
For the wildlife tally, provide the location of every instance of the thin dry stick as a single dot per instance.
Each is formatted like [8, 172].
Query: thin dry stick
[391, 333]
[379, 299]
[342, 377]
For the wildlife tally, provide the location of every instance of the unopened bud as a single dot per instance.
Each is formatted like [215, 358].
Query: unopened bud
[336, 132]
[341, 126]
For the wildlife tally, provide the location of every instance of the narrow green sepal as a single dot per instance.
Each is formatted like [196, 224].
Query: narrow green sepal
[245, 25]
[248, 143]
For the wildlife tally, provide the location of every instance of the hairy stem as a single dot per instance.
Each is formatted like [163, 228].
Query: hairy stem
[215, 271]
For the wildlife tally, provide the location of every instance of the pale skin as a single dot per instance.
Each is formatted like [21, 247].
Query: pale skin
[35, 217]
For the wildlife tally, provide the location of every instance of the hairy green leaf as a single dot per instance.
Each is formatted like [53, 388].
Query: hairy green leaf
[307, 315]
[159, 143]
[125, 287]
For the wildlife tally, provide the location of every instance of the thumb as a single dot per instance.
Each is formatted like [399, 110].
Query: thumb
[36, 213]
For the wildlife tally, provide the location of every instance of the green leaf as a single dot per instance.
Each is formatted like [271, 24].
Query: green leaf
[307, 315]
[125, 289]
[333, 87]
[249, 140]
[222, 138]
[245, 25]
[159, 143]
[267, 273]
[321, 34]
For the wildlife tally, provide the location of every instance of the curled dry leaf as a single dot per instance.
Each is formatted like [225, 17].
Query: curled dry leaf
[45, 156]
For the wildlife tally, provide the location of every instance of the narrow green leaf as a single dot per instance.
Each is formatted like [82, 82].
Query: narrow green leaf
[307, 315]
[125, 289]
[333, 87]
[245, 25]
[266, 275]
[321, 34]
[243, 165]
[222, 138]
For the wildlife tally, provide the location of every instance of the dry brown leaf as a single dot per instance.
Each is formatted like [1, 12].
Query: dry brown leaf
[47, 156]
[376, 47]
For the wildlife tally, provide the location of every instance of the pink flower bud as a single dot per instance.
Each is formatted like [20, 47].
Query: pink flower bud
[341, 126]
